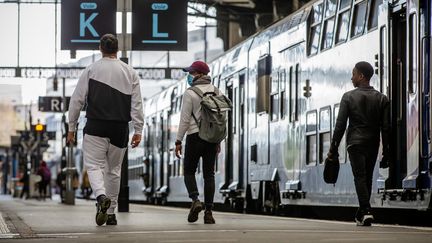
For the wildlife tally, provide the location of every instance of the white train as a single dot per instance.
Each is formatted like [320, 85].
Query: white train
[285, 83]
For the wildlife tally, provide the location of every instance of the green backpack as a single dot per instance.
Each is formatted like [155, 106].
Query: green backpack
[214, 108]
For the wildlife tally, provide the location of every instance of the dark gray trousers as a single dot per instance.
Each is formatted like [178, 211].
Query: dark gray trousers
[363, 159]
[195, 149]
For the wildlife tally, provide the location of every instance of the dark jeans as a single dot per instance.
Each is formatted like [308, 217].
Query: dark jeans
[42, 188]
[363, 159]
[196, 148]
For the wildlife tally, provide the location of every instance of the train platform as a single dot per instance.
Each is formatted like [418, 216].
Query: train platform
[51, 221]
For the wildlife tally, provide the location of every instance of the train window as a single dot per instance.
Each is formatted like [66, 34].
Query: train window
[174, 100]
[316, 15]
[274, 100]
[328, 33]
[275, 82]
[311, 121]
[344, 3]
[315, 28]
[324, 132]
[383, 61]
[235, 110]
[264, 71]
[291, 95]
[314, 40]
[413, 40]
[342, 26]
[373, 14]
[325, 121]
[296, 97]
[330, 8]
[359, 18]
[274, 97]
[179, 103]
[282, 80]
[311, 137]
[329, 22]
[342, 145]
[335, 112]
[283, 103]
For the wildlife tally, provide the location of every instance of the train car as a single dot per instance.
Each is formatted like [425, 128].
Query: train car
[286, 83]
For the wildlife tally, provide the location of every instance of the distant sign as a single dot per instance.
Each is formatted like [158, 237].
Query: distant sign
[52, 103]
[75, 72]
[84, 22]
[159, 25]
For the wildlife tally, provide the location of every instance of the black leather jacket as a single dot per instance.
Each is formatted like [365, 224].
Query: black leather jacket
[368, 113]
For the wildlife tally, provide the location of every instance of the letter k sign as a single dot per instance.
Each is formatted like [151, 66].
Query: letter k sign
[86, 23]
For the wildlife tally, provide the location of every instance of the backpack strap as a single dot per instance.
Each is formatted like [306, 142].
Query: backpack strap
[201, 95]
[213, 99]
[195, 119]
[197, 91]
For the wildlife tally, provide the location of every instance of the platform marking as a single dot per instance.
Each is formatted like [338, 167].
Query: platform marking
[240, 230]
[191, 240]
[5, 233]
[297, 219]
[3, 226]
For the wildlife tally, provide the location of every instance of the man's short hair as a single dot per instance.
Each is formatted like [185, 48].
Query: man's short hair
[365, 68]
[109, 44]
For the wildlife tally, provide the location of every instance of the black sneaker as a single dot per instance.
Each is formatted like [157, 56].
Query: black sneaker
[365, 220]
[111, 219]
[208, 217]
[194, 211]
[101, 209]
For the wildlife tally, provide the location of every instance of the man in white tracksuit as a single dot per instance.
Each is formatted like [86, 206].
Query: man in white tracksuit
[111, 90]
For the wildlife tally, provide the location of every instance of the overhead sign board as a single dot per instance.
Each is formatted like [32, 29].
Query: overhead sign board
[52, 103]
[159, 25]
[84, 22]
[75, 72]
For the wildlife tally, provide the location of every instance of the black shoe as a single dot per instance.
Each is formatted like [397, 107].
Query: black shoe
[194, 211]
[102, 206]
[208, 217]
[364, 220]
[111, 219]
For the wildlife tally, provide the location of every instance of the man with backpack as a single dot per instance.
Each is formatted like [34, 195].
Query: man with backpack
[203, 117]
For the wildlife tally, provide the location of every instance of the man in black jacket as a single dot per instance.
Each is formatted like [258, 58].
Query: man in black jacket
[368, 113]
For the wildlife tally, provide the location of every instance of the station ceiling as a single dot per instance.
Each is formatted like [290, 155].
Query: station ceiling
[249, 15]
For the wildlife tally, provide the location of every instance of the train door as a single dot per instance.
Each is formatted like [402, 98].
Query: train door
[231, 160]
[413, 95]
[235, 140]
[160, 152]
[242, 131]
[152, 159]
[165, 153]
[424, 86]
[262, 110]
[427, 63]
[402, 26]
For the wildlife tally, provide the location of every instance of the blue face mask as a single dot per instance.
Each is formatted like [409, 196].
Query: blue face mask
[190, 79]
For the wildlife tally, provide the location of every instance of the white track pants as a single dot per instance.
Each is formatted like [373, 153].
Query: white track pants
[103, 162]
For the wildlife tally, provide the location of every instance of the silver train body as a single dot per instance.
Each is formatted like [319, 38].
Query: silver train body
[286, 83]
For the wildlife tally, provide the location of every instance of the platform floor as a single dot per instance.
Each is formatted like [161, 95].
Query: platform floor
[50, 221]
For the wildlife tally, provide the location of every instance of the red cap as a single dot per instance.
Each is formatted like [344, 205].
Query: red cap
[198, 66]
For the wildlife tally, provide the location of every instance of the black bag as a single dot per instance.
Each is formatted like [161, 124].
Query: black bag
[331, 170]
